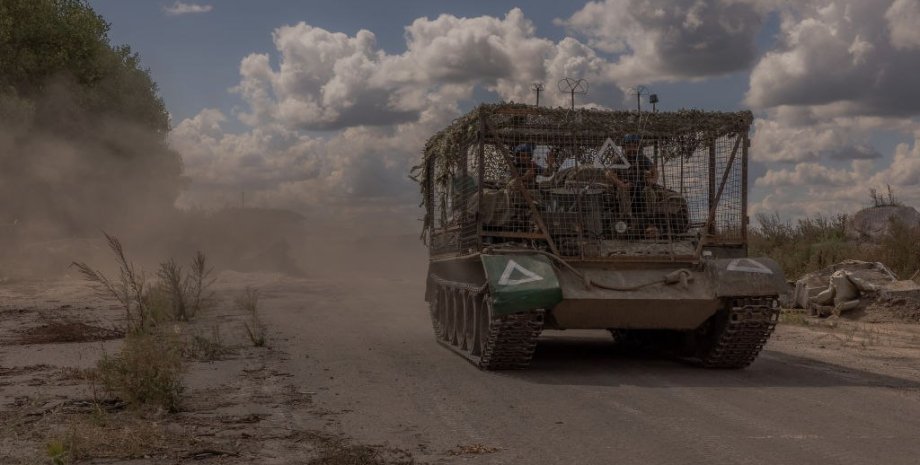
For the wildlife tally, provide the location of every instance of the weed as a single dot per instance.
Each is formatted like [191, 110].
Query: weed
[248, 302]
[811, 244]
[58, 452]
[792, 317]
[881, 200]
[63, 451]
[207, 348]
[198, 282]
[176, 295]
[173, 285]
[129, 290]
[147, 371]
[186, 292]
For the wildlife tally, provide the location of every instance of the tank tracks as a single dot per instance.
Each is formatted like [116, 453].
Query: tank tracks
[740, 332]
[461, 315]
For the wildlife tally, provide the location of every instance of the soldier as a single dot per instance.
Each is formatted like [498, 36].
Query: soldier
[526, 168]
[634, 180]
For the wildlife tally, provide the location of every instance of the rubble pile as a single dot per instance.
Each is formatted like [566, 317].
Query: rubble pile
[864, 290]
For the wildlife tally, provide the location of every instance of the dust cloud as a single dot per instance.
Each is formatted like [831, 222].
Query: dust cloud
[67, 176]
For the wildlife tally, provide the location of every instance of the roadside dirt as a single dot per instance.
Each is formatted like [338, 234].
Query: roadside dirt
[237, 408]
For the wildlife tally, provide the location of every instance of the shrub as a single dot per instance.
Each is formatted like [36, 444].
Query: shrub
[248, 302]
[186, 292]
[146, 372]
[207, 348]
[130, 290]
[807, 245]
[815, 243]
[899, 249]
[177, 295]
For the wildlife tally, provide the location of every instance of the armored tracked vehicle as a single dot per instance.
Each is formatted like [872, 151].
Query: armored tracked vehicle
[631, 222]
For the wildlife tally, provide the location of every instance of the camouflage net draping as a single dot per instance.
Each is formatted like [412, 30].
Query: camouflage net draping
[677, 134]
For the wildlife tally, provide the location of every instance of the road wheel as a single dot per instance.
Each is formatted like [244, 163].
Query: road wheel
[483, 318]
[462, 315]
[456, 317]
[471, 325]
[447, 310]
[434, 310]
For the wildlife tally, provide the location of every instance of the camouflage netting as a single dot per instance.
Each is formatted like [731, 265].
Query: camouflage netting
[678, 134]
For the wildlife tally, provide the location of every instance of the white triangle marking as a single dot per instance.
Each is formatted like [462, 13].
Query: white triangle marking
[619, 157]
[506, 280]
[750, 266]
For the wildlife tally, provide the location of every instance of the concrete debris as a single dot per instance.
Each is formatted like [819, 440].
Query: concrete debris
[852, 285]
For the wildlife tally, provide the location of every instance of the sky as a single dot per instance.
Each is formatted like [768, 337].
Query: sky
[318, 106]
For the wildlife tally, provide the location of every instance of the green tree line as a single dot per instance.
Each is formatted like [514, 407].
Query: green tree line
[82, 123]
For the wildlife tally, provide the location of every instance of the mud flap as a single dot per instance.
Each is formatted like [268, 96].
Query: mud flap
[520, 283]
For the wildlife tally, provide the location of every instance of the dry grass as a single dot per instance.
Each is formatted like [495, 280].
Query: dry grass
[129, 290]
[248, 303]
[206, 348]
[814, 243]
[147, 371]
[793, 317]
[64, 331]
[113, 437]
[178, 294]
[335, 450]
[186, 291]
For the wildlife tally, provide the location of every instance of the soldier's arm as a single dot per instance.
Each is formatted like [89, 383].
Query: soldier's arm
[651, 174]
[613, 178]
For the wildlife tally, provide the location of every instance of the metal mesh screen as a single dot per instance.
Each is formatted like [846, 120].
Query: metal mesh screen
[616, 192]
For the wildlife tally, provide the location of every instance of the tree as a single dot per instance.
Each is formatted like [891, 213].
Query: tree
[43, 42]
[82, 126]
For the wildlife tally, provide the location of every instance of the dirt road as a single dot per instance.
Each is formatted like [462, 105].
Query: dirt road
[352, 362]
[812, 397]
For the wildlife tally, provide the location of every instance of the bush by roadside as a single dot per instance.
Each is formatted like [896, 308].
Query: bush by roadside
[811, 244]
[148, 369]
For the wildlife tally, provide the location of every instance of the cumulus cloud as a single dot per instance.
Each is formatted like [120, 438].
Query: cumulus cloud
[333, 122]
[181, 8]
[797, 134]
[903, 17]
[667, 40]
[815, 174]
[839, 55]
[811, 188]
[329, 80]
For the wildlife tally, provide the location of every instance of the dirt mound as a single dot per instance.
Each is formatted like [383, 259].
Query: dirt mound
[66, 331]
[891, 311]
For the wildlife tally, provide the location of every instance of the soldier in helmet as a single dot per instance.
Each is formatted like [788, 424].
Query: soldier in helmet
[634, 180]
[527, 169]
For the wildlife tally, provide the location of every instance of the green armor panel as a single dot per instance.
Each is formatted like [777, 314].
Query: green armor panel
[520, 283]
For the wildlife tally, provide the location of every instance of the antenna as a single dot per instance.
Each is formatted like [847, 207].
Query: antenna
[537, 87]
[640, 91]
[572, 87]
